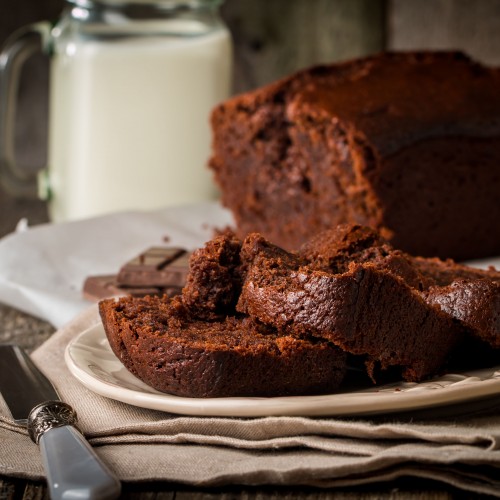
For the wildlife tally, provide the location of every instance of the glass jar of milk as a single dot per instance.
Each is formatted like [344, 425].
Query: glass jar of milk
[132, 86]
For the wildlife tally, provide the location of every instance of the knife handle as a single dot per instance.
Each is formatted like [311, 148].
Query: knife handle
[74, 471]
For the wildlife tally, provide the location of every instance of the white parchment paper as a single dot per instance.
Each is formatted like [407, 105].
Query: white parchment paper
[42, 269]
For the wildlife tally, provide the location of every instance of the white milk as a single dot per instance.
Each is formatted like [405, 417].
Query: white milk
[129, 122]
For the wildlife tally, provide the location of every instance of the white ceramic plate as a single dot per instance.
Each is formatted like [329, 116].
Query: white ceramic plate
[91, 361]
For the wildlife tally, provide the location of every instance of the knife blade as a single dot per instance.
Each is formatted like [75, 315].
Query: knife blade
[73, 469]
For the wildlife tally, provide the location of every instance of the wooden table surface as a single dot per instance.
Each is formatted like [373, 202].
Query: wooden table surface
[30, 332]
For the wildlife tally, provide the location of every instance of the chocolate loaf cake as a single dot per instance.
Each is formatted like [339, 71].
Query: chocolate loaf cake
[160, 342]
[407, 143]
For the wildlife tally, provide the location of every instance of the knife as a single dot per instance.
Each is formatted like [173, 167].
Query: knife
[72, 467]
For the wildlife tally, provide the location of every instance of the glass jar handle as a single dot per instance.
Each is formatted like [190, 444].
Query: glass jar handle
[21, 45]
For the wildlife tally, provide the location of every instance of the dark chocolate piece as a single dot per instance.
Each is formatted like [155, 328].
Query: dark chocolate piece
[157, 267]
[157, 271]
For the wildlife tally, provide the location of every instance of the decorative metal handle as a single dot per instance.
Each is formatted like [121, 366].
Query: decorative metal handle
[20, 46]
[73, 469]
[49, 415]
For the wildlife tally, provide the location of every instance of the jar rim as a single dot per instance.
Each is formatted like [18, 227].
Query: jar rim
[157, 3]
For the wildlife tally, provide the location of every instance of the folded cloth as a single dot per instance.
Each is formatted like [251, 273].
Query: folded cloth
[146, 445]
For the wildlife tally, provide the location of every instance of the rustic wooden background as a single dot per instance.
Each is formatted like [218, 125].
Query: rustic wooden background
[272, 38]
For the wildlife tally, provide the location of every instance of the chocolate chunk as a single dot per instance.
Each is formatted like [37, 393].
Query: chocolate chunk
[176, 272]
[158, 267]
[157, 271]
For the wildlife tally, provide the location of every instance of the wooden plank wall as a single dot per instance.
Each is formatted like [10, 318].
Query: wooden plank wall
[470, 25]
[273, 38]
[277, 37]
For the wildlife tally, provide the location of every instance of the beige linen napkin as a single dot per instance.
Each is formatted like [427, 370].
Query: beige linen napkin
[141, 445]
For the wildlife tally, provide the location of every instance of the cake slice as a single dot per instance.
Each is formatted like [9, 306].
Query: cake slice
[470, 296]
[366, 310]
[475, 303]
[160, 342]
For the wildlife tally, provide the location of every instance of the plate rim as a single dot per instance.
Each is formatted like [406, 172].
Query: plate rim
[343, 404]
